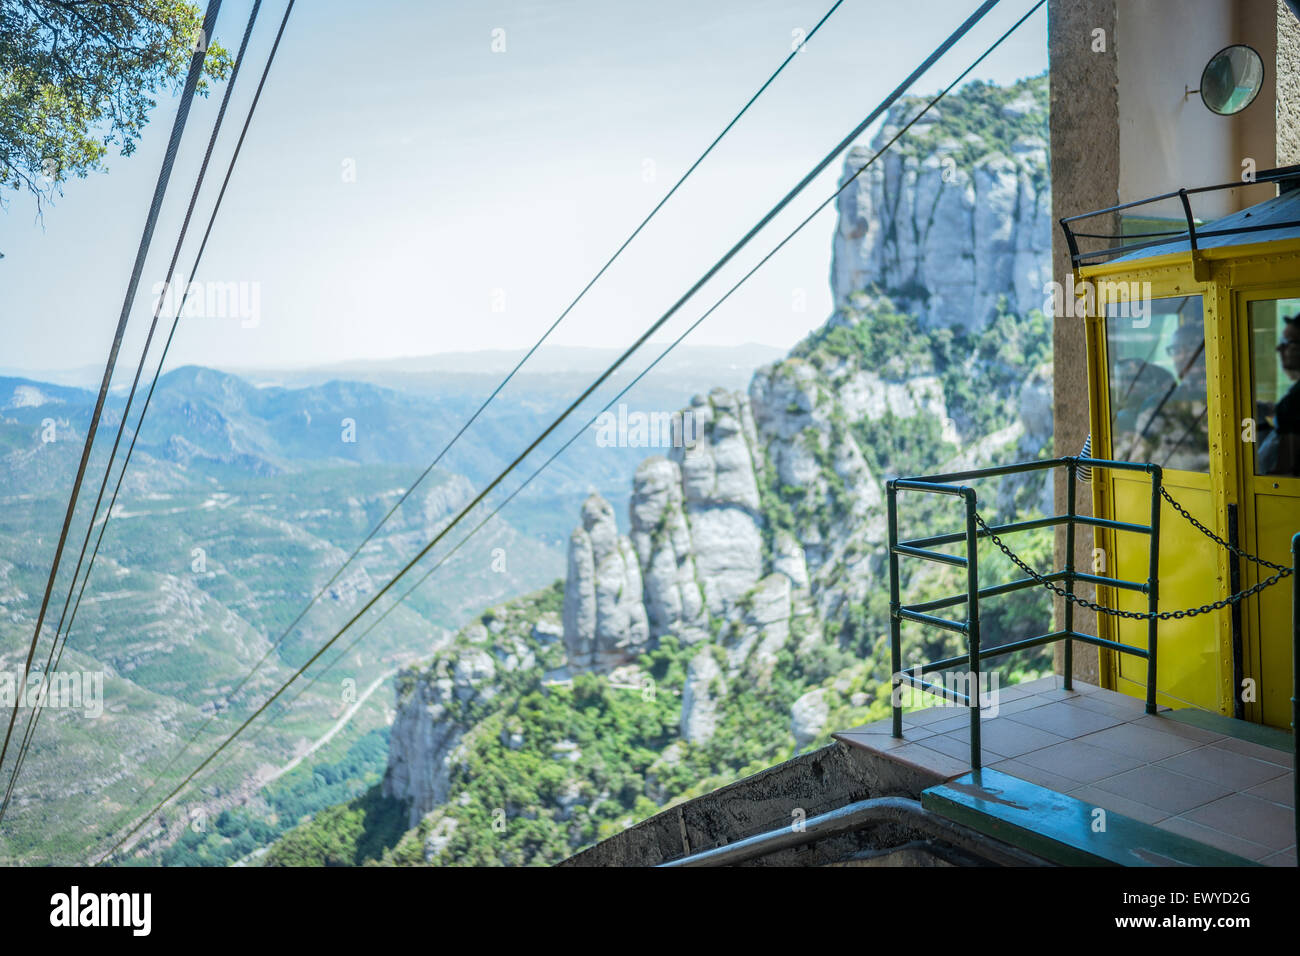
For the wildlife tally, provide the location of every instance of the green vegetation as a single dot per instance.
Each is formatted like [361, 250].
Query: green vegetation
[351, 834]
[874, 336]
[289, 801]
[546, 768]
[978, 120]
[58, 120]
[981, 373]
[542, 768]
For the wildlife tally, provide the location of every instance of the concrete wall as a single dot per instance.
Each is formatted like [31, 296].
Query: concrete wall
[1256, 24]
[1085, 151]
[1163, 132]
[1286, 111]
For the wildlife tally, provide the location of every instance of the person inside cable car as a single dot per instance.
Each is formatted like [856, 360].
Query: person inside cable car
[1279, 449]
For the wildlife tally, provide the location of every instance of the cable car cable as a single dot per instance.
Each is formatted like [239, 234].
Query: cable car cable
[662, 355]
[503, 383]
[181, 306]
[53, 661]
[508, 377]
[721, 263]
[146, 239]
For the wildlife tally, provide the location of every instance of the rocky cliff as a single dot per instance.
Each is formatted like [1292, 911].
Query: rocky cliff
[747, 575]
[955, 215]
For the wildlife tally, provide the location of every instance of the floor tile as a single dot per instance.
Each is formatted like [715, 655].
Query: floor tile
[1162, 789]
[1020, 705]
[1044, 778]
[1085, 688]
[1258, 751]
[1013, 692]
[951, 722]
[1117, 804]
[1248, 818]
[1177, 728]
[947, 744]
[1117, 705]
[923, 757]
[1215, 838]
[1059, 693]
[1284, 858]
[886, 726]
[1233, 771]
[917, 718]
[883, 743]
[930, 716]
[1065, 719]
[1050, 682]
[1278, 790]
[1004, 736]
[1141, 742]
[1079, 761]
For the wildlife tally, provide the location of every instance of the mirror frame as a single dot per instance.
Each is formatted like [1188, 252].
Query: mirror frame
[1263, 73]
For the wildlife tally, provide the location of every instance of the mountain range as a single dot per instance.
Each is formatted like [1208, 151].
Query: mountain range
[735, 610]
[242, 499]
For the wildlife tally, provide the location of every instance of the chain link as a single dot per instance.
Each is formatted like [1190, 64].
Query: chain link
[1282, 571]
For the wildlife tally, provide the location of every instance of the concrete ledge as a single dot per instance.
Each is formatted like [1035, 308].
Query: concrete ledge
[813, 783]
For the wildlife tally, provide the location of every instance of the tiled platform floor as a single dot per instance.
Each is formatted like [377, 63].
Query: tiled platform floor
[1101, 747]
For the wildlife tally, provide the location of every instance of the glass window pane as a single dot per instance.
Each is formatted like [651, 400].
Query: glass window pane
[1158, 405]
[1275, 380]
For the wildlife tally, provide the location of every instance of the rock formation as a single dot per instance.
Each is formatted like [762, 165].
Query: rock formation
[605, 621]
[948, 223]
[764, 537]
[429, 727]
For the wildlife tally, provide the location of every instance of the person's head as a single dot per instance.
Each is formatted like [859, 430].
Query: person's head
[1288, 349]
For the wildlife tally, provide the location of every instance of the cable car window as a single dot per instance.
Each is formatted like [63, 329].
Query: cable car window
[1275, 379]
[1158, 406]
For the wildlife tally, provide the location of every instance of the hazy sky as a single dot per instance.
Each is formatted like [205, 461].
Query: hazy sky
[489, 186]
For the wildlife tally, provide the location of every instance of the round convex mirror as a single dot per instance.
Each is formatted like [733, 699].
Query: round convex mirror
[1232, 79]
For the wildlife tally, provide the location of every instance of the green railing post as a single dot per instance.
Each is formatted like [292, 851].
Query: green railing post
[895, 622]
[1153, 588]
[1071, 470]
[973, 625]
[948, 484]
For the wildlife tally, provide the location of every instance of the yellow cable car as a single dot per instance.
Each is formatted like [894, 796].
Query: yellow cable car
[1193, 343]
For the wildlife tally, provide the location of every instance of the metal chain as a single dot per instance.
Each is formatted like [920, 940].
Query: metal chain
[1048, 584]
[1282, 571]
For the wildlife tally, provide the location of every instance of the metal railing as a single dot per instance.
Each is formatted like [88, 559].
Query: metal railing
[1191, 235]
[952, 484]
[899, 811]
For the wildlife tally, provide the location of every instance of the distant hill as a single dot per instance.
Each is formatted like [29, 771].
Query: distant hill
[548, 360]
[242, 498]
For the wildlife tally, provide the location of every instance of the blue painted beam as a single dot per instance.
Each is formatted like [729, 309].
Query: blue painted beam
[1062, 829]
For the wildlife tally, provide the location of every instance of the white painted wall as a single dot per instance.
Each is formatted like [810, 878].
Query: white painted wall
[1169, 139]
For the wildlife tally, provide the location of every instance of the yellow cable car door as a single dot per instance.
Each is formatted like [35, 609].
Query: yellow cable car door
[1160, 410]
[1269, 355]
